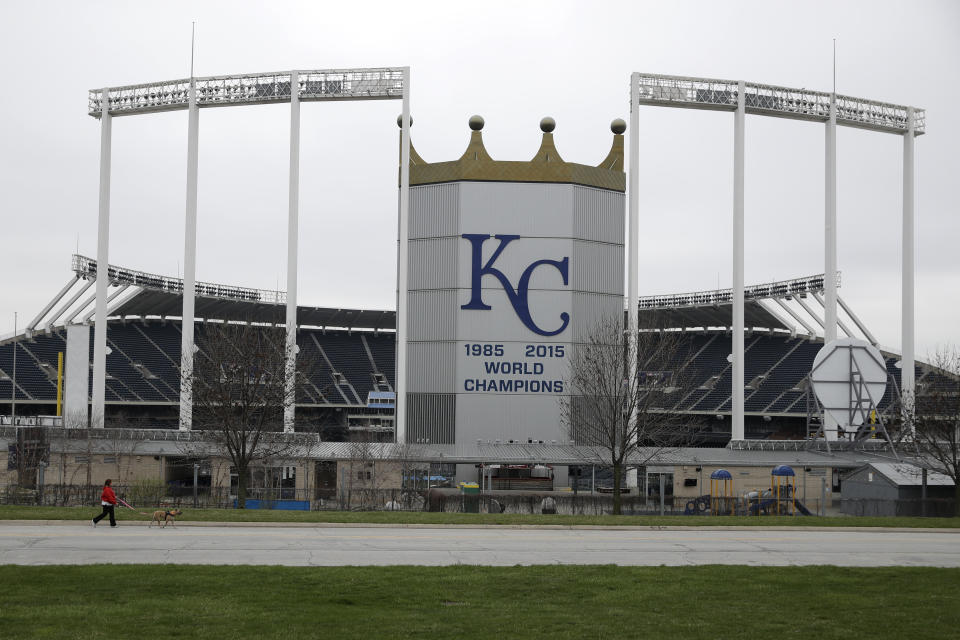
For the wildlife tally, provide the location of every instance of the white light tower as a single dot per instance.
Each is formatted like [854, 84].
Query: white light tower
[797, 104]
[192, 94]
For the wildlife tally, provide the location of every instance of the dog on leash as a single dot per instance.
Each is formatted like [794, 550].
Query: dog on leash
[163, 516]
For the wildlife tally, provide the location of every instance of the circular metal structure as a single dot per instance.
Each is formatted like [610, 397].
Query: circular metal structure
[849, 378]
[475, 123]
[548, 124]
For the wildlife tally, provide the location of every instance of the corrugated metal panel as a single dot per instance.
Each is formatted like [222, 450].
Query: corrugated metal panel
[508, 416]
[590, 309]
[525, 209]
[433, 263]
[598, 215]
[432, 314]
[434, 210]
[431, 417]
[597, 267]
[431, 367]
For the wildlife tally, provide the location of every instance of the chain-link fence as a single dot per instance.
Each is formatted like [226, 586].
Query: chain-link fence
[930, 507]
[152, 495]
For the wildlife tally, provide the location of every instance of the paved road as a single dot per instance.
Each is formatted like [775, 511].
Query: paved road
[325, 546]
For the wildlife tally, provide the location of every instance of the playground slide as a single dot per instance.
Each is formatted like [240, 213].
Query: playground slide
[764, 504]
[802, 509]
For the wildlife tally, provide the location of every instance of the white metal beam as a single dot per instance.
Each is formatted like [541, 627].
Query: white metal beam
[907, 371]
[737, 432]
[103, 257]
[633, 249]
[856, 321]
[57, 298]
[830, 225]
[59, 312]
[293, 230]
[796, 316]
[810, 311]
[402, 266]
[189, 264]
[839, 323]
[109, 306]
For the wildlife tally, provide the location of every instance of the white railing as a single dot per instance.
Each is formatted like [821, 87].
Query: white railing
[384, 83]
[797, 286]
[86, 268]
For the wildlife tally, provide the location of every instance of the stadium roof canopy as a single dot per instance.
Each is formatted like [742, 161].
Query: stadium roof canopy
[704, 309]
[776, 306]
[157, 295]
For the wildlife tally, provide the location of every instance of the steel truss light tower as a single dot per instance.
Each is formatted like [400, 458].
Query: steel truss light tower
[193, 94]
[798, 104]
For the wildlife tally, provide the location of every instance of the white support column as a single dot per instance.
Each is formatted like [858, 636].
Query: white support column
[103, 260]
[189, 263]
[738, 251]
[830, 245]
[830, 226]
[907, 373]
[293, 230]
[400, 418]
[633, 243]
[633, 224]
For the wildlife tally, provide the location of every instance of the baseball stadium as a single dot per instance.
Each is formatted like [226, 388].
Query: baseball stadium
[505, 269]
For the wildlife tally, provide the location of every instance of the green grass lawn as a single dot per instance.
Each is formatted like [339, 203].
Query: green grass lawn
[167, 601]
[8, 512]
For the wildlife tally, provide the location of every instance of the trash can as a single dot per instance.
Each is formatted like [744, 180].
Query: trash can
[470, 491]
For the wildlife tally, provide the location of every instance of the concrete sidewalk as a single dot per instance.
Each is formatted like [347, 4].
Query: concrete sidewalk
[425, 545]
[548, 527]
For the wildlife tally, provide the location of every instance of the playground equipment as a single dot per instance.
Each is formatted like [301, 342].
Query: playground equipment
[783, 482]
[721, 492]
[779, 499]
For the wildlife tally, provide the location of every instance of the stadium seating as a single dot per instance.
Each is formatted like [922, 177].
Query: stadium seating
[143, 367]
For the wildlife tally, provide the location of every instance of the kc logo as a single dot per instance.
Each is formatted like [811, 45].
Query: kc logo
[518, 296]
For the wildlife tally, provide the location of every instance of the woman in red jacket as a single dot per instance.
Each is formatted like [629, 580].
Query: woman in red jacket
[109, 500]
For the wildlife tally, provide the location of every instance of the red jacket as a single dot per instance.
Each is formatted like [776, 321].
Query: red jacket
[108, 496]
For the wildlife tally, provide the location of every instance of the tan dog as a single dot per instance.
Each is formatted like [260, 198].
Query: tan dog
[163, 516]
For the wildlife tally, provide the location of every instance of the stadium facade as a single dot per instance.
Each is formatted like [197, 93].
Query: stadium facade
[504, 267]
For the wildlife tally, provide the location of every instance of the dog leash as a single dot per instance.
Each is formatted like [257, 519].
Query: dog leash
[131, 508]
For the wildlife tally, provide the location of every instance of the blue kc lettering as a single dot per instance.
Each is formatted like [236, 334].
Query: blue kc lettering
[518, 297]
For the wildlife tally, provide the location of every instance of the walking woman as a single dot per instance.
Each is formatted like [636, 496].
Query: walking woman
[109, 500]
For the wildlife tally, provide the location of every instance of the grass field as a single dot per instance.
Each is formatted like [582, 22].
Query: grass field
[167, 601]
[387, 517]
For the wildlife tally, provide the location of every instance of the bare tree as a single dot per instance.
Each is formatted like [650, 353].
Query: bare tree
[623, 416]
[239, 395]
[936, 418]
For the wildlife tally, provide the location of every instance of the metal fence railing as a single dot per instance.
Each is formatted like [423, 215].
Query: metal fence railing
[154, 495]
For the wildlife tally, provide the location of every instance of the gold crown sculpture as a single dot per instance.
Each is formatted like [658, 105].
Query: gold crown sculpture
[546, 166]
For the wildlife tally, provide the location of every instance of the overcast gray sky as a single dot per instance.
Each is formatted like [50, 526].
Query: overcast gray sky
[513, 63]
